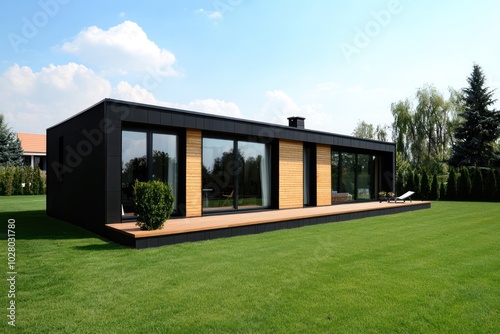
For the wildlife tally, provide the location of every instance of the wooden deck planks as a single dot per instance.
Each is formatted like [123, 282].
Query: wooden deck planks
[194, 224]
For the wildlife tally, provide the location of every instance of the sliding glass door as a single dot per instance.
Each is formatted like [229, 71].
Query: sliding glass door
[353, 176]
[218, 173]
[253, 175]
[235, 175]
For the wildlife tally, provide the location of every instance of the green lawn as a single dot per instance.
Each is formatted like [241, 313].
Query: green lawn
[429, 271]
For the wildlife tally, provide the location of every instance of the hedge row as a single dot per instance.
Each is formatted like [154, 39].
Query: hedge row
[21, 181]
[462, 184]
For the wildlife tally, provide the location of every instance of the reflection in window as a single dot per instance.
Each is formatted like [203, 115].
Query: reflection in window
[347, 179]
[234, 181]
[335, 172]
[352, 176]
[137, 164]
[218, 173]
[253, 176]
[134, 165]
[164, 162]
[364, 177]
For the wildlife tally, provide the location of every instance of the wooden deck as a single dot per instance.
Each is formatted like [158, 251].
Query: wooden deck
[178, 230]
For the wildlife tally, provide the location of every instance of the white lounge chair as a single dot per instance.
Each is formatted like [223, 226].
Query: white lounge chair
[406, 195]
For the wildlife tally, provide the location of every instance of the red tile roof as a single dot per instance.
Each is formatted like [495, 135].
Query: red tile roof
[32, 143]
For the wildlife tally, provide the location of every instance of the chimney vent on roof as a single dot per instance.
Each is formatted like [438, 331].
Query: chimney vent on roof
[296, 122]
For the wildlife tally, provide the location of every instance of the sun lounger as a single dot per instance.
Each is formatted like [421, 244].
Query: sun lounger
[406, 195]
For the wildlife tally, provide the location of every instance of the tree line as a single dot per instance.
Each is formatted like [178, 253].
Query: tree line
[442, 141]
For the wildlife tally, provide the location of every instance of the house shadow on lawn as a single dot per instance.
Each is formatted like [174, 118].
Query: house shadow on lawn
[107, 245]
[34, 225]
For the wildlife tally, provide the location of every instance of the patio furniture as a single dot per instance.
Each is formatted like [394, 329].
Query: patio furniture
[228, 198]
[341, 197]
[404, 196]
[386, 196]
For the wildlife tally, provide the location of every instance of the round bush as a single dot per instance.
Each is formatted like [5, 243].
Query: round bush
[154, 202]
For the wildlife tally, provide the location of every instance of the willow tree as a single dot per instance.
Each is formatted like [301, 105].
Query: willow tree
[368, 131]
[423, 133]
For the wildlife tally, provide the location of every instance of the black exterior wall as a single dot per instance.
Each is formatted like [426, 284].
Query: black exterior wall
[84, 155]
[77, 171]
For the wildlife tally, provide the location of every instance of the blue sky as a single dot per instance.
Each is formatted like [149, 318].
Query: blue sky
[333, 62]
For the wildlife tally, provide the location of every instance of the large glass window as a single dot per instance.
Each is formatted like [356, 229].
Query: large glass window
[348, 177]
[352, 176]
[218, 173]
[147, 156]
[165, 161]
[134, 165]
[253, 175]
[335, 172]
[364, 176]
[235, 175]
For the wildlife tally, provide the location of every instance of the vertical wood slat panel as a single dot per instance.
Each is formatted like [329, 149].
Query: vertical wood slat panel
[193, 173]
[324, 175]
[291, 174]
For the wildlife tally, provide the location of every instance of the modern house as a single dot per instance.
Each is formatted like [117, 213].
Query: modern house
[34, 149]
[215, 165]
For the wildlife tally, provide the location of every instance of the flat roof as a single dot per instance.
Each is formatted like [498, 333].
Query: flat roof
[228, 124]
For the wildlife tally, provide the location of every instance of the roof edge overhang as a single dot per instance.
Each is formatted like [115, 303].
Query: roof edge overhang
[227, 118]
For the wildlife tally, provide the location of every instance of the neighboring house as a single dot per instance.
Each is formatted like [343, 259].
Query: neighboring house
[34, 149]
[214, 164]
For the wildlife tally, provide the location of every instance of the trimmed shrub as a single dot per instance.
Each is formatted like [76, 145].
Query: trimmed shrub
[434, 195]
[451, 187]
[6, 180]
[442, 191]
[490, 185]
[464, 186]
[400, 183]
[17, 181]
[409, 184]
[416, 184]
[21, 181]
[154, 202]
[477, 190]
[38, 183]
[425, 188]
[497, 176]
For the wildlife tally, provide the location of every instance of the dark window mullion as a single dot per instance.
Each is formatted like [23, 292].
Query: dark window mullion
[356, 170]
[236, 174]
[149, 159]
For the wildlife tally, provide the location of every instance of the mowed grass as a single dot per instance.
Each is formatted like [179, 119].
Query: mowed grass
[429, 271]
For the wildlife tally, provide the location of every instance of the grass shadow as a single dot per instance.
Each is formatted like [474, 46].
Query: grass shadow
[107, 246]
[32, 225]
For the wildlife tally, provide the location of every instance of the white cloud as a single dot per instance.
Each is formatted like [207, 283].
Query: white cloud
[214, 15]
[121, 49]
[214, 107]
[279, 106]
[136, 93]
[329, 86]
[33, 101]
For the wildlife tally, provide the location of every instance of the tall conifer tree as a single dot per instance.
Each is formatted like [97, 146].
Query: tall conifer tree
[11, 153]
[479, 127]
